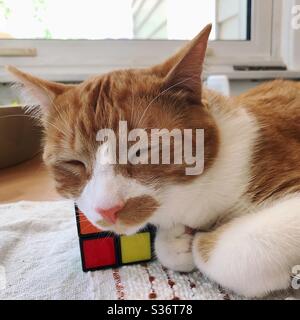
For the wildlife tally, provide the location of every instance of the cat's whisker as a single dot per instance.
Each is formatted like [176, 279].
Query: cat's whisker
[30, 116]
[136, 113]
[132, 103]
[160, 94]
[37, 109]
[57, 108]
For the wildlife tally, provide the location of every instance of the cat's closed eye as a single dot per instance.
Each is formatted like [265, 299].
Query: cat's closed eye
[75, 163]
[140, 152]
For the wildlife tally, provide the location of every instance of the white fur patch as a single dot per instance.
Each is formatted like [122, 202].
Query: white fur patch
[173, 248]
[201, 203]
[106, 189]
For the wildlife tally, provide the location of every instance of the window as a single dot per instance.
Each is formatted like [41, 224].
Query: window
[123, 19]
[68, 40]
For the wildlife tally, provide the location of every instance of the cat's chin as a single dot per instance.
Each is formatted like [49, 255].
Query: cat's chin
[118, 228]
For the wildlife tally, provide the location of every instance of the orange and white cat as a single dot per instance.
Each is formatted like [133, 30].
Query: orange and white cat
[245, 206]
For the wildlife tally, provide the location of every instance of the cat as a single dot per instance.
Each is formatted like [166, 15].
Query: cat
[244, 209]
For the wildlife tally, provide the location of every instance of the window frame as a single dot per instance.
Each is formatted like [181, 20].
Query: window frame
[75, 60]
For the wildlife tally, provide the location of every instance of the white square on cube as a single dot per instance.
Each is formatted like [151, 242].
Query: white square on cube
[2, 278]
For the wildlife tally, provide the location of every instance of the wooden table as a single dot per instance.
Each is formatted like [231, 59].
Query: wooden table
[27, 181]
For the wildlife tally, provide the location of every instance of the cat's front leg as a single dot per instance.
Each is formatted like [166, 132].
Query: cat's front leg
[255, 254]
[174, 248]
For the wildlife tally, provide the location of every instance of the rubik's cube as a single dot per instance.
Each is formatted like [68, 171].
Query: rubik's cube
[101, 249]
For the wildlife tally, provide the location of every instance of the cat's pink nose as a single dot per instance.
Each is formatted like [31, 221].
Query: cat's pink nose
[110, 214]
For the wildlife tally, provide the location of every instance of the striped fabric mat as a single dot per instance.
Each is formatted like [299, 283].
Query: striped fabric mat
[152, 281]
[40, 259]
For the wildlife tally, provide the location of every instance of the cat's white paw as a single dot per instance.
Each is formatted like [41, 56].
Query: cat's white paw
[174, 249]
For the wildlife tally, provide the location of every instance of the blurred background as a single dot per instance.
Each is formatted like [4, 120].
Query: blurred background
[125, 19]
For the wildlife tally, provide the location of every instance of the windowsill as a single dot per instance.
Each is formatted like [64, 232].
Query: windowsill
[252, 75]
[78, 74]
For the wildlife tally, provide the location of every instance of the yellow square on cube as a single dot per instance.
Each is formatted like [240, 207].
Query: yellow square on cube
[136, 247]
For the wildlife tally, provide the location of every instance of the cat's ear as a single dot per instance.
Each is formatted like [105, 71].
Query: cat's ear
[43, 92]
[184, 69]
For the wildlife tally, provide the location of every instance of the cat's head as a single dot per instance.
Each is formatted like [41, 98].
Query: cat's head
[122, 196]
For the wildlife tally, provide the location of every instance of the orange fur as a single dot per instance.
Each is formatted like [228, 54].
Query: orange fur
[275, 169]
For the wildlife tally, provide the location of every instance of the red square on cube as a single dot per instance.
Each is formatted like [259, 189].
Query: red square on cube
[99, 252]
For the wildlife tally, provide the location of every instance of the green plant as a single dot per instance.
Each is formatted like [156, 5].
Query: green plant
[4, 9]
